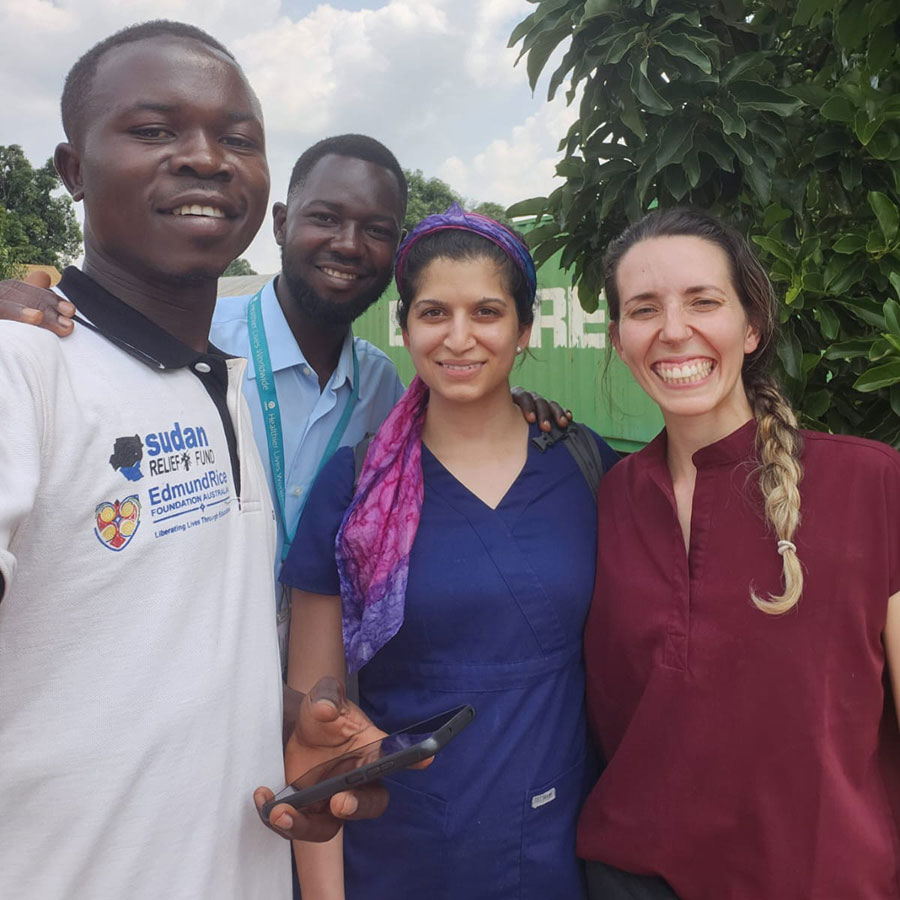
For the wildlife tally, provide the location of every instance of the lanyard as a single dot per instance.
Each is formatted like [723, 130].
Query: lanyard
[268, 398]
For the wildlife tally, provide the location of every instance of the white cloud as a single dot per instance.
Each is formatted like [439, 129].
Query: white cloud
[433, 79]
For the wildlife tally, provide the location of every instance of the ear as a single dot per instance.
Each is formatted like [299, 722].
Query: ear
[279, 216]
[67, 161]
[613, 332]
[751, 341]
[405, 335]
[525, 336]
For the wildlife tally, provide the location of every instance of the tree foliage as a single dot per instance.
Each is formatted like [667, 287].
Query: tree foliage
[35, 225]
[239, 266]
[783, 117]
[428, 196]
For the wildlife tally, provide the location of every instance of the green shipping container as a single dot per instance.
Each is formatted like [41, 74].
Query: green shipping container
[569, 361]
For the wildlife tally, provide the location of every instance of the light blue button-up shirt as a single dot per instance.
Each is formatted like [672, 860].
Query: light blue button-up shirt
[308, 415]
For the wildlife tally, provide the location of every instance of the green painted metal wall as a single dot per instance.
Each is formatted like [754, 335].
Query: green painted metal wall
[568, 362]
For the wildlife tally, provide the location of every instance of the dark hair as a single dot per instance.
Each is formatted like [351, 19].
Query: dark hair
[356, 146]
[778, 439]
[459, 244]
[77, 88]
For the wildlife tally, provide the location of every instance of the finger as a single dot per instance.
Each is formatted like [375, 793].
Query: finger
[367, 802]
[34, 305]
[561, 417]
[37, 278]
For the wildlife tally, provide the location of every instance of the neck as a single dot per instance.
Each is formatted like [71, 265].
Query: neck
[475, 428]
[320, 342]
[183, 308]
[687, 434]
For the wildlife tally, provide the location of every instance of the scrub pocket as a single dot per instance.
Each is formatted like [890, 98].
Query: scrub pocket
[550, 869]
[384, 857]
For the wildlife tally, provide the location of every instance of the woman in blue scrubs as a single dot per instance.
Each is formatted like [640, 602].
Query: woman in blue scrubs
[465, 563]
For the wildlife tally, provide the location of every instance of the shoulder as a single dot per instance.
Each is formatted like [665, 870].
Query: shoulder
[837, 455]
[370, 356]
[230, 309]
[28, 349]
[609, 456]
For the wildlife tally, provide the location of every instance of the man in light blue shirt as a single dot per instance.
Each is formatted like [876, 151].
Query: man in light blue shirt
[338, 232]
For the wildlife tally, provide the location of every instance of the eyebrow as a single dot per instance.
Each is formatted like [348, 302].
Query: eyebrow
[694, 289]
[339, 207]
[433, 301]
[150, 106]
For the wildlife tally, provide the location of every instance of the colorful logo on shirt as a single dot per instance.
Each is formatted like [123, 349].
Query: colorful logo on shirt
[117, 522]
[127, 455]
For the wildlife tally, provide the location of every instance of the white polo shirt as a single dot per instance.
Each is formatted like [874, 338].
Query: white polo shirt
[140, 692]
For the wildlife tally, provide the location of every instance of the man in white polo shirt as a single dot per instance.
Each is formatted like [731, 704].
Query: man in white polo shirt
[139, 683]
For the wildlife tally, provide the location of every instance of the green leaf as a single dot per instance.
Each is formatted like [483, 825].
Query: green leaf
[541, 50]
[838, 109]
[534, 206]
[878, 377]
[886, 212]
[744, 65]
[849, 349]
[692, 168]
[808, 11]
[631, 118]
[866, 127]
[852, 24]
[892, 315]
[894, 279]
[816, 404]
[760, 182]
[829, 323]
[775, 247]
[850, 243]
[791, 354]
[764, 97]
[732, 123]
[682, 46]
[644, 90]
[521, 29]
[595, 8]
[882, 45]
[895, 399]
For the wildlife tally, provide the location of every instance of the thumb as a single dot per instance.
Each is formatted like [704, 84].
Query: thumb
[38, 279]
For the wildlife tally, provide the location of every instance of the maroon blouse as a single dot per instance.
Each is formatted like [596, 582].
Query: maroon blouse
[750, 756]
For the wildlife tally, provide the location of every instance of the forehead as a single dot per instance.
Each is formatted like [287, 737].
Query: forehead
[675, 260]
[169, 71]
[353, 184]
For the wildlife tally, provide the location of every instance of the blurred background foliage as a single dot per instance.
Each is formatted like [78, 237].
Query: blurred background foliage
[782, 117]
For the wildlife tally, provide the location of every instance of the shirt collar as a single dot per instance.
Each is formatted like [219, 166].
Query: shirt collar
[734, 447]
[285, 352]
[127, 328]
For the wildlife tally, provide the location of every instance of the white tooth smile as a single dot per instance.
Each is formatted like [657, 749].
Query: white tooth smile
[684, 373]
[469, 367]
[194, 209]
[344, 276]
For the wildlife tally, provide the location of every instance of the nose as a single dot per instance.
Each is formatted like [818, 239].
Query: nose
[459, 337]
[347, 240]
[201, 154]
[675, 326]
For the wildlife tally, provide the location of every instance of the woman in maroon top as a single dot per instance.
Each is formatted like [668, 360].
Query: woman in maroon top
[747, 607]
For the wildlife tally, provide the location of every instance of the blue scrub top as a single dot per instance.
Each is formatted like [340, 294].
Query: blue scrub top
[495, 606]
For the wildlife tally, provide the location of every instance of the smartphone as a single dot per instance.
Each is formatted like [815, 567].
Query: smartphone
[373, 761]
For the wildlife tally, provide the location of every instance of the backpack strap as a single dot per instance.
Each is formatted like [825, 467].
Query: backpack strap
[359, 456]
[581, 444]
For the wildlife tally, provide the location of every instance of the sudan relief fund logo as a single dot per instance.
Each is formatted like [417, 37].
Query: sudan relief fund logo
[117, 522]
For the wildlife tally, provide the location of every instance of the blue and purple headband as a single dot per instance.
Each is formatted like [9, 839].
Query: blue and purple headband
[457, 218]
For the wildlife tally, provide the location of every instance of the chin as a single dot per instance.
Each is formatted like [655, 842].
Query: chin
[329, 312]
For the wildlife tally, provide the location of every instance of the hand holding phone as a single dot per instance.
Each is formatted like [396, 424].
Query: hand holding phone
[373, 761]
[318, 726]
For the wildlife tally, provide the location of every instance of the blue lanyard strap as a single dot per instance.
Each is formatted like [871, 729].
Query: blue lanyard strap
[268, 399]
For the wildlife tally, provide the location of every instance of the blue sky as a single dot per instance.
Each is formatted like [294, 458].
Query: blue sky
[433, 79]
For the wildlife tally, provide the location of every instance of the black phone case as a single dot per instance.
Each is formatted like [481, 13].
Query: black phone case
[369, 772]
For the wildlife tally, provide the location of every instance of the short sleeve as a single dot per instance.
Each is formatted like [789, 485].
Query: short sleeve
[22, 416]
[310, 564]
[607, 454]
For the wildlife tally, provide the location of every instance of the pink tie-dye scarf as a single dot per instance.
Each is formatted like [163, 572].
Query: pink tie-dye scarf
[378, 530]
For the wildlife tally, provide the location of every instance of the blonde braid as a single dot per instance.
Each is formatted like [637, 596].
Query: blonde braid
[779, 444]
